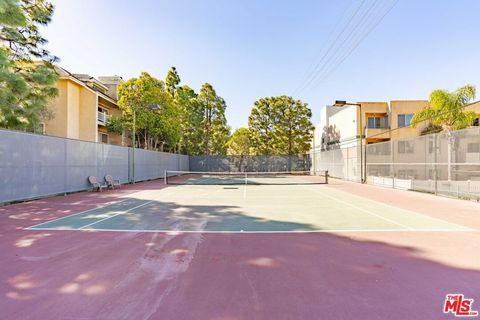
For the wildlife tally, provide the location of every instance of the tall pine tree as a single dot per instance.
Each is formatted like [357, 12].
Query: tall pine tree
[191, 122]
[156, 129]
[280, 125]
[293, 129]
[261, 123]
[27, 74]
[172, 81]
[214, 129]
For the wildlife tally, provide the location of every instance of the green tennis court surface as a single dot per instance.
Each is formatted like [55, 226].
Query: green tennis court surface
[248, 208]
[246, 178]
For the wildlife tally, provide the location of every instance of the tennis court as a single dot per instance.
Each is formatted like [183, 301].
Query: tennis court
[238, 246]
[265, 202]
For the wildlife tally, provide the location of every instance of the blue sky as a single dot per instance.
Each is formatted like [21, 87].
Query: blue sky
[256, 48]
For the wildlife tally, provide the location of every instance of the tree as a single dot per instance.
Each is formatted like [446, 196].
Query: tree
[186, 122]
[189, 117]
[431, 128]
[240, 146]
[261, 123]
[155, 129]
[239, 143]
[191, 121]
[27, 74]
[203, 126]
[214, 129]
[280, 125]
[116, 124]
[446, 110]
[171, 81]
[11, 13]
[293, 128]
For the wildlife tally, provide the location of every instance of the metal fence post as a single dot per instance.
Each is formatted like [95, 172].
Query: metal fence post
[435, 169]
[365, 163]
[392, 150]
[333, 160]
[66, 166]
[348, 160]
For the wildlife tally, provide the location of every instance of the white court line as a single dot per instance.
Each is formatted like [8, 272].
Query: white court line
[175, 190]
[81, 212]
[119, 213]
[463, 228]
[416, 213]
[176, 231]
[123, 212]
[101, 207]
[432, 164]
[361, 209]
[74, 214]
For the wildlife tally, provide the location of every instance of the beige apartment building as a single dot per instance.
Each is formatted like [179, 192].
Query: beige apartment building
[408, 156]
[340, 127]
[83, 107]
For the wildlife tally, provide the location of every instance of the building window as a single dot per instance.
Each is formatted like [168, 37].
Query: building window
[476, 122]
[100, 109]
[404, 120]
[376, 122]
[405, 147]
[103, 138]
[373, 122]
[473, 147]
[102, 115]
[379, 149]
[407, 174]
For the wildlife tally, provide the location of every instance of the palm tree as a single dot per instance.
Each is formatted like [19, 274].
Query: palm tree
[446, 110]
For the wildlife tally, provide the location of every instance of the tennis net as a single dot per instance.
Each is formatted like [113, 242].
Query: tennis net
[246, 178]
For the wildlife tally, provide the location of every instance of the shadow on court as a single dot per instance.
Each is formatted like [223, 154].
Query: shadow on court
[115, 275]
[135, 275]
[145, 215]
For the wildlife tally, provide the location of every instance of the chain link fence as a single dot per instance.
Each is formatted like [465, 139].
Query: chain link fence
[270, 163]
[34, 165]
[442, 163]
[340, 163]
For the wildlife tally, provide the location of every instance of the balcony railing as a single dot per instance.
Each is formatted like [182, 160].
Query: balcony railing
[379, 127]
[102, 117]
[380, 132]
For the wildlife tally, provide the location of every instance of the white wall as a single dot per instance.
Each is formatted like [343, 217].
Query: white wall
[317, 135]
[341, 122]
